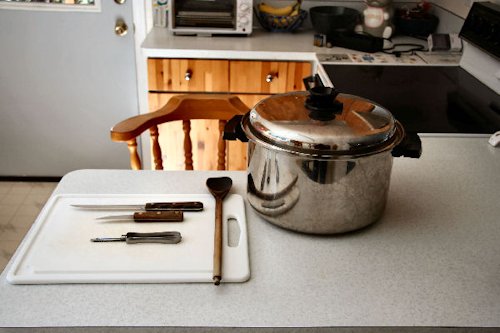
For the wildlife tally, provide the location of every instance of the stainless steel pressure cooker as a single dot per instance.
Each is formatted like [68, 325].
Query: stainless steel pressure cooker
[320, 161]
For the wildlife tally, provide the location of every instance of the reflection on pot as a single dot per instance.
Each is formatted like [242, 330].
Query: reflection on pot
[317, 196]
[273, 207]
[326, 172]
[268, 192]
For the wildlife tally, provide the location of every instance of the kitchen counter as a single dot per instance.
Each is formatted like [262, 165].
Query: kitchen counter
[431, 264]
[297, 46]
[263, 45]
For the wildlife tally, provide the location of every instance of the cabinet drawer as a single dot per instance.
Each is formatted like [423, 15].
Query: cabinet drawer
[267, 77]
[194, 75]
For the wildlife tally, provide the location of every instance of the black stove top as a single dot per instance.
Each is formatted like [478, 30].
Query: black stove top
[425, 99]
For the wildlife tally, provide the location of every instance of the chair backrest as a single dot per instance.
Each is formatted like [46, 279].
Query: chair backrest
[185, 108]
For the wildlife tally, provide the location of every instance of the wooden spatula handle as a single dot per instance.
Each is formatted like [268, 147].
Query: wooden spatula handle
[217, 272]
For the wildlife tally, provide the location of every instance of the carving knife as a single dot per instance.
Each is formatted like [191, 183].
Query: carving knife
[160, 216]
[165, 237]
[150, 206]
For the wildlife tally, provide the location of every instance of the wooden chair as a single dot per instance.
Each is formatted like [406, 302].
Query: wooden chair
[185, 108]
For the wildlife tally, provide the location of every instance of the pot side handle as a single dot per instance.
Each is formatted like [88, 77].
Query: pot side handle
[410, 146]
[233, 130]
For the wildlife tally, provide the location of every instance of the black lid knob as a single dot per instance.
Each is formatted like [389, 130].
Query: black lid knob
[322, 103]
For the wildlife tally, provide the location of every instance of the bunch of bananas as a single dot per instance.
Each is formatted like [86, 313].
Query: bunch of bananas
[289, 10]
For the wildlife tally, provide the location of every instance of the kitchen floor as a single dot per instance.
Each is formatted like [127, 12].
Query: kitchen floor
[20, 204]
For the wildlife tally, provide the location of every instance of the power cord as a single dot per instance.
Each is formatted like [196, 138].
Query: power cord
[393, 49]
[397, 53]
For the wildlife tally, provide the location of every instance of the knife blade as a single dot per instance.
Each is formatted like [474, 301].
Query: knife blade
[160, 216]
[149, 206]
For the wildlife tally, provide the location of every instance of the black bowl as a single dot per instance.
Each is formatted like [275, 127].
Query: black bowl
[329, 20]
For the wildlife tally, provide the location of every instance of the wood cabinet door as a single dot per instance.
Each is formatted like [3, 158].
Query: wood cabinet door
[247, 79]
[193, 75]
[267, 77]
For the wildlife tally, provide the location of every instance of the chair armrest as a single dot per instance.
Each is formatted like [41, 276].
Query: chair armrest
[180, 107]
[132, 127]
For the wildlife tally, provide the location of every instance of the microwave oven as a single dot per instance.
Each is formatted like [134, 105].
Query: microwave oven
[210, 17]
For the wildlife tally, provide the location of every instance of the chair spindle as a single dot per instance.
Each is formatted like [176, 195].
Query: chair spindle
[188, 147]
[158, 163]
[221, 147]
[135, 161]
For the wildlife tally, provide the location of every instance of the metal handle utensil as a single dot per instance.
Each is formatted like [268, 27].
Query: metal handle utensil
[149, 206]
[165, 237]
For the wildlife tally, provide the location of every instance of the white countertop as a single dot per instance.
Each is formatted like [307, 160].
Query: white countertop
[433, 260]
[263, 45]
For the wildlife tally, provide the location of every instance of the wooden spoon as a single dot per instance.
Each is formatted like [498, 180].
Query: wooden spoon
[219, 187]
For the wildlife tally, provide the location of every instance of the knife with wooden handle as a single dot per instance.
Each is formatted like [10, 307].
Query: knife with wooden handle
[145, 217]
[150, 206]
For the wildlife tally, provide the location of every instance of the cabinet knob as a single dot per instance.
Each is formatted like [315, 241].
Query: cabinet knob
[270, 77]
[188, 75]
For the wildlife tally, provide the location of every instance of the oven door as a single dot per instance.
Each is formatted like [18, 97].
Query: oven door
[204, 14]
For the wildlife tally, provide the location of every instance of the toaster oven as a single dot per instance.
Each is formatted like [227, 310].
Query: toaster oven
[210, 17]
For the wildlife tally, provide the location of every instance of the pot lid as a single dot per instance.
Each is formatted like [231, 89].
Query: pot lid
[322, 122]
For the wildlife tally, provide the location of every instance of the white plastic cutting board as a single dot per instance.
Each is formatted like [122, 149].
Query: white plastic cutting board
[58, 248]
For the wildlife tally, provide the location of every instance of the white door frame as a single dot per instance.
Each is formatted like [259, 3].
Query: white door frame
[142, 14]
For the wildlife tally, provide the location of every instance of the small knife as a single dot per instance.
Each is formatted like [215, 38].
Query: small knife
[150, 206]
[165, 237]
[161, 216]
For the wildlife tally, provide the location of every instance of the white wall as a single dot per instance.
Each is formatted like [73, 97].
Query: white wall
[459, 7]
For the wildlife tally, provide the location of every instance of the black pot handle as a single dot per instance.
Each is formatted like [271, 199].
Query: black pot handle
[233, 130]
[312, 81]
[410, 146]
